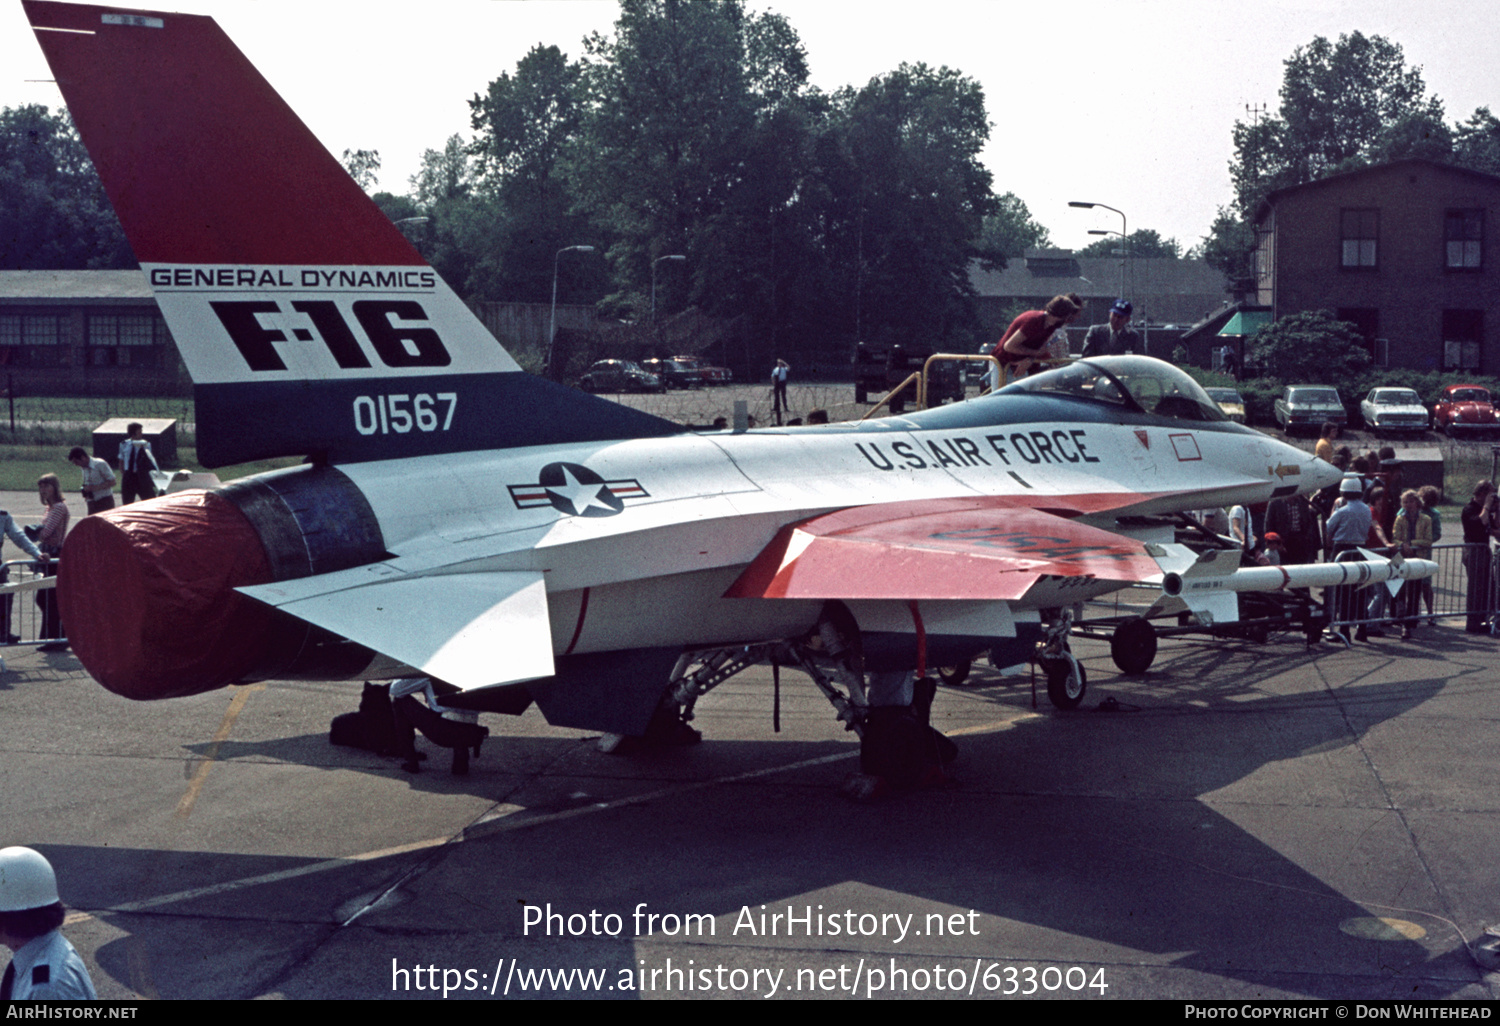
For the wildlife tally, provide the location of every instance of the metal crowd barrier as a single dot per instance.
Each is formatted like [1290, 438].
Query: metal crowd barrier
[28, 606]
[1467, 586]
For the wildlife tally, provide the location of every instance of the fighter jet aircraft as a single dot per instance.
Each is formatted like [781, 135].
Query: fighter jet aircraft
[516, 540]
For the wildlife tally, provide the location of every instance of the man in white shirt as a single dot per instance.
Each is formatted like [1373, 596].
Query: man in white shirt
[98, 480]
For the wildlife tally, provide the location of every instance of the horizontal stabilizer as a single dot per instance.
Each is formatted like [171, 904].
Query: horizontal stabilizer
[973, 548]
[471, 630]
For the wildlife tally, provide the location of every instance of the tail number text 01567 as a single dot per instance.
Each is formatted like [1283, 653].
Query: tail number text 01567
[384, 414]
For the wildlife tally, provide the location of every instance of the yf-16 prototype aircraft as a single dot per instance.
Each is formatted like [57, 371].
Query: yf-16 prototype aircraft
[516, 540]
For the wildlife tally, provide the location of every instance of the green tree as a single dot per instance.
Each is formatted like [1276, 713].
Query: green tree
[908, 197]
[1476, 142]
[363, 166]
[1144, 242]
[1008, 231]
[1310, 346]
[526, 123]
[54, 214]
[1344, 105]
[443, 191]
[1228, 246]
[673, 102]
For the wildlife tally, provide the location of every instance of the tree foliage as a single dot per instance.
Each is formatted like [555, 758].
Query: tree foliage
[363, 166]
[1476, 142]
[1310, 346]
[1009, 231]
[1144, 242]
[1344, 105]
[54, 214]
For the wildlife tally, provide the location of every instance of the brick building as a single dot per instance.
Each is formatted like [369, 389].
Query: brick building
[1399, 251]
[85, 333]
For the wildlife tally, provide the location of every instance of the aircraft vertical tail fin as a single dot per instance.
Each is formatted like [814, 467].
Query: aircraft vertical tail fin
[306, 319]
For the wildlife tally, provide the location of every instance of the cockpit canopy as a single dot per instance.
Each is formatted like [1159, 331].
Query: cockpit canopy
[1132, 382]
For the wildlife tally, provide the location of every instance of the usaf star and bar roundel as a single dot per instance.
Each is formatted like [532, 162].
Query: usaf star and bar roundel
[576, 491]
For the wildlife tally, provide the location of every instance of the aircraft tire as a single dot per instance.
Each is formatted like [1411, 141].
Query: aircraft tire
[1133, 645]
[1057, 684]
[955, 675]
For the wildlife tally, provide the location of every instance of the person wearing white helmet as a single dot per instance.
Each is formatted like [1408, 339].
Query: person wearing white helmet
[43, 966]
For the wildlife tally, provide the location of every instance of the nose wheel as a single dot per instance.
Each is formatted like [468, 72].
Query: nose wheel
[1066, 679]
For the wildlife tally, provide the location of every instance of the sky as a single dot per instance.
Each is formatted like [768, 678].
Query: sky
[1129, 103]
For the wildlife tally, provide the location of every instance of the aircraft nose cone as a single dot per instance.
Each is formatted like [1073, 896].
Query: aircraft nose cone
[146, 595]
[1320, 474]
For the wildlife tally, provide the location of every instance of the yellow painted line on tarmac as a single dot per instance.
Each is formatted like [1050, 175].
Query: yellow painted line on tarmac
[236, 704]
[991, 728]
[500, 819]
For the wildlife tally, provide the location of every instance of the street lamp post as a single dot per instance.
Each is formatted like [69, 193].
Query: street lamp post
[1124, 254]
[552, 325]
[1124, 233]
[671, 256]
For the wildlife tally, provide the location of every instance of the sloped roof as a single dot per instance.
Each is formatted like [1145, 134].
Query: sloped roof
[54, 288]
[1346, 176]
[1053, 272]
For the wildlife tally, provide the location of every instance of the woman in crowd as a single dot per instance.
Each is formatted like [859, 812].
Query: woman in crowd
[49, 539]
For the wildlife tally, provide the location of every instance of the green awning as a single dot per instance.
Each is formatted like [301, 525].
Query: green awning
[1246, 322]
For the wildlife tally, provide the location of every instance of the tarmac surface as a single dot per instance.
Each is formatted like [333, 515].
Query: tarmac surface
[1252, 822]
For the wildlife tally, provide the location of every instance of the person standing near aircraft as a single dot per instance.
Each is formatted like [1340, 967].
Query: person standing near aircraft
[1478, 519]
[1059, 346]
[1412, 534]
[1116, 338]
[44, 966]
[1347, 529]
[98, 480]
[49, 538]
[135, 457]
[1024, 343]
[1324, 449]
[778, 388]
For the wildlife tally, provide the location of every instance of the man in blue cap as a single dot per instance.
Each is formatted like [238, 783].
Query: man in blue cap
[1115, 338]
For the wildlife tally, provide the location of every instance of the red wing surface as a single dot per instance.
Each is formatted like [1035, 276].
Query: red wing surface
[980, 548]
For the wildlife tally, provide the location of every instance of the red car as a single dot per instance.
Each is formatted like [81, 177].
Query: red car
[710, 375]
[1464, 409]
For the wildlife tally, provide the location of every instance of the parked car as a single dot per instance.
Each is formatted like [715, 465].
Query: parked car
[1464, 410]
[619, 376]
[674, 373]
[1309, 406]
[1230, 401]
[1393, 409]
[711, 375]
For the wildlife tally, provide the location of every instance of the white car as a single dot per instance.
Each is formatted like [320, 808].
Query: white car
[1393, 409]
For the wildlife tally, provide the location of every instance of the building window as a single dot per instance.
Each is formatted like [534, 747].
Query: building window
[1463, 337]
[1463, 233]
[126, 340]
[32, 340]
[1360, 230]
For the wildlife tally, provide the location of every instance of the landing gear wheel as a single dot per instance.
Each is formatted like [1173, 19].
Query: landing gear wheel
[1133, 645]
[955, 675]
[1065, 692]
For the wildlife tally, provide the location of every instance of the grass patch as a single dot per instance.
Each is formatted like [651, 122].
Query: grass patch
[21, 465]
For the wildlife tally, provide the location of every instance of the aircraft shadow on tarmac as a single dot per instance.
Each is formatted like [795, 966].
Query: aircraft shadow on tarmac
[1091, 837]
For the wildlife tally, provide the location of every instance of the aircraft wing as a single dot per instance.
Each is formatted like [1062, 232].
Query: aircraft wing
[986, 547]
[448, 626]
